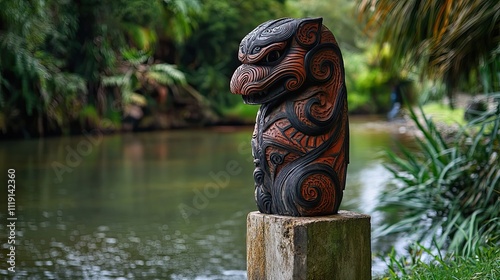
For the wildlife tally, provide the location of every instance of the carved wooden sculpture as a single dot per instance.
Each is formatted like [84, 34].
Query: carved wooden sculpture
[300, 145]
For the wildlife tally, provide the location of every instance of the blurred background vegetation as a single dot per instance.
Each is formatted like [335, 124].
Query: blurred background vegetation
[68, 66]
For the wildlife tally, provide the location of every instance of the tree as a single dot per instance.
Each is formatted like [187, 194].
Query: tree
[449, 40]
[54, 55]
[36, 91]
[113, 28]
[339, 17]
[209, 56]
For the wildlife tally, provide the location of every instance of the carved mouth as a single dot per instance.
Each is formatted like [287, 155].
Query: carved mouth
[264, 97]
[256, 98]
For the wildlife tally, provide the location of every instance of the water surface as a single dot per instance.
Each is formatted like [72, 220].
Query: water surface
[156, 205]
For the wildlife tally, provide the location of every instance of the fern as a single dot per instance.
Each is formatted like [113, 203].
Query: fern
[169, 77]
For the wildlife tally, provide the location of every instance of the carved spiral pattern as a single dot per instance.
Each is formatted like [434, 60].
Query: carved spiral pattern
[322, 62]
[316, 190]
[276, 158]
[313, 116]
[264, 199]
[301, 137]
[258, 176]
[308, 34]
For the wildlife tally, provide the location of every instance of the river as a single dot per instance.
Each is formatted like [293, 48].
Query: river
[153, 205]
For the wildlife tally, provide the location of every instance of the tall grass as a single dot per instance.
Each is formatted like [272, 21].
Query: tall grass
[448, 189]
[485, 265]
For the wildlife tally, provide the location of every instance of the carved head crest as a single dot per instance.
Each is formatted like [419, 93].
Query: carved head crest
[280, 56]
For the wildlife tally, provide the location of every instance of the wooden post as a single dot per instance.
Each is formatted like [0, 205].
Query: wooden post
[325, 247]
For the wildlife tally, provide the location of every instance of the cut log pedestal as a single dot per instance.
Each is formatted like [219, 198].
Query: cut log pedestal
[323, 248]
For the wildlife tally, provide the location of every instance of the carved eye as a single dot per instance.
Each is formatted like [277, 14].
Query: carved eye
[273, 56]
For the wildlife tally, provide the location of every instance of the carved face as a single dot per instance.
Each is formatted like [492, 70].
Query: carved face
[273, 59]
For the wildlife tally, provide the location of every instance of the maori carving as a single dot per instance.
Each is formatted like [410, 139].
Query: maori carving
[293, 68]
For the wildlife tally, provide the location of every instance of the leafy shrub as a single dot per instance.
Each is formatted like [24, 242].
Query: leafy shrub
[449, 189]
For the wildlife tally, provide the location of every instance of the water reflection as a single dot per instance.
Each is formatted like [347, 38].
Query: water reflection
[166, 205]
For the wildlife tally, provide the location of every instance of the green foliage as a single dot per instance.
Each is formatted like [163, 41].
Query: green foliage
[210, 54]
[367, 78]
[212, 82]
[89, 114]
[449, 189]
[110, 27]
[179, 18]
[368, 82]
[441, 113]
[431, 92]
[339, 17]
[243, 112]
[485, 264]
[166, 74]
[488, 73]
[33, 81]
[447, 40]
[54, 55]
[138, 72]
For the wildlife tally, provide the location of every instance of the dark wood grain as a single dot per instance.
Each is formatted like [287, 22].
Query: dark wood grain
[293, 69]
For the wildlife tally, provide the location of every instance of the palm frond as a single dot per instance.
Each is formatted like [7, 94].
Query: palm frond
[449, 39]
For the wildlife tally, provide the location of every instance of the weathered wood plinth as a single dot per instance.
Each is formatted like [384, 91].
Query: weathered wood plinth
[325, 247]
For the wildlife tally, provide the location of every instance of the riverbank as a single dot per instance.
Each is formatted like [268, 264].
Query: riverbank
[448, 120]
